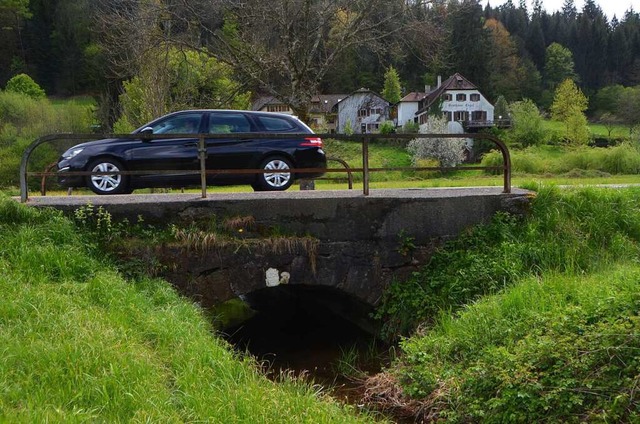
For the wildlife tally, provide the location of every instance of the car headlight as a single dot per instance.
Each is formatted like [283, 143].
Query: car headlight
[72, 152]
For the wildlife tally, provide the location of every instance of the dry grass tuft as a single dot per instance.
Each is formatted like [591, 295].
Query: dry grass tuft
[203, 241]
[239, 223]
[384, 393]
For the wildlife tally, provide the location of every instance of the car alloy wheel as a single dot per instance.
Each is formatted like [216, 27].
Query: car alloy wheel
[275, 181]
[107, 183]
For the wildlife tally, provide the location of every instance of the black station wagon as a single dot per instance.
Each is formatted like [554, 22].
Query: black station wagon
[146, 155]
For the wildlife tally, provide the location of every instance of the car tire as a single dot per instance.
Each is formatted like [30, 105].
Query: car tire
[107, 184]
[276, 181]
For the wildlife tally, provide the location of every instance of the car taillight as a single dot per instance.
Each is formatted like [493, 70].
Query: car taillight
[312, 142]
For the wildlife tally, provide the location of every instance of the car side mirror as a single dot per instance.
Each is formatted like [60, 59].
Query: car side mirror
[145, 133]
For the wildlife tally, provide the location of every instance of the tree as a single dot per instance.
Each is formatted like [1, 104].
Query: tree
[558, 66]
[392, 89]
[501, 108]
[590, 48]
[526, 124]
[508, 72]
[629, 109]
[448, 151]
[568, 106]
[285, 48]
[178, 79]
[469, 42]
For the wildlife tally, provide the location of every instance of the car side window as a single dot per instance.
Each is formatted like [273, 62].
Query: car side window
[275, 123]
[226, 123]
[187, 123]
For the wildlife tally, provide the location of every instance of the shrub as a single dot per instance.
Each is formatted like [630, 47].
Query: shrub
[24, 84]
[448, 151]
[387, 127]
[526, 127]
[595, 226]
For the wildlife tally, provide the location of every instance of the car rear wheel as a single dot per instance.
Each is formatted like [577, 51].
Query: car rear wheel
[276, 180]
[107, 183]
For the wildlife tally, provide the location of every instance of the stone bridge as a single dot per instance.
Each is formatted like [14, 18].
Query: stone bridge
[339, 239]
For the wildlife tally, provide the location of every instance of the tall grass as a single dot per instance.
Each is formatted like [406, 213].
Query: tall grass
[529, 320]
[23, 119]
[573, 231]
[79, 343]
[541, 160]
[555, 348]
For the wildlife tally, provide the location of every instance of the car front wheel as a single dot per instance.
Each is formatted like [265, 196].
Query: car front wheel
[275, 179]
[107, 183]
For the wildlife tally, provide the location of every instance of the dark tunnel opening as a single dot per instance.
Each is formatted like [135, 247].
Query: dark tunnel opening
[315, 330]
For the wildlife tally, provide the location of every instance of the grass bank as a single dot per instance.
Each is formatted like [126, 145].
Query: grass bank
[80, 343]
[528, 320]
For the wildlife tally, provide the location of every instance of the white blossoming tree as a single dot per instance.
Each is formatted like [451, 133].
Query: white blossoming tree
[447, 151]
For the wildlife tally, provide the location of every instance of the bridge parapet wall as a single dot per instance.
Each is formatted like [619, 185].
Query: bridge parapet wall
[360, 249]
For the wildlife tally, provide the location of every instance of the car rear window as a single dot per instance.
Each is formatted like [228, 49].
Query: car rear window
[274, 123]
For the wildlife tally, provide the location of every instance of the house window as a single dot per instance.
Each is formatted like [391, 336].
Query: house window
[447, 97]
[372, 128]
[363, 112]
[460, 116]
[277, 108]
[447, 116]
[461, 97]
[475, 97]
[478, 115]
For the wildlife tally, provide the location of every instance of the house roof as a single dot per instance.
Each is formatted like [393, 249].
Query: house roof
[414, 96]
[261, 102]
[320, 103]
[323, 103]
[454, 82]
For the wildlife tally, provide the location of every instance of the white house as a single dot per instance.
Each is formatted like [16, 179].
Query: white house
[460, 101]
[362, 111]
[408, 106]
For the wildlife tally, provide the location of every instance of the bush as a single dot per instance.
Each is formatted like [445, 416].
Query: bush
[595, 226]
[24, 84]
[448, 151]
[526, 127]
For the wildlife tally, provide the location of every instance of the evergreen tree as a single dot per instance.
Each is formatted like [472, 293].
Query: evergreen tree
[392, 91]
[590, 49]
[469, 43]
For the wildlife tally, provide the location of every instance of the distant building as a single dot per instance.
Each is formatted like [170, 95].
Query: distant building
[322, 109]
[271, 104]
[363, 111]
[459, 101]
[323, 113]
[408, 106]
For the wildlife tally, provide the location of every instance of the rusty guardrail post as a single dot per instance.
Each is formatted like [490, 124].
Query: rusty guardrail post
[365, 166]
[202, 155]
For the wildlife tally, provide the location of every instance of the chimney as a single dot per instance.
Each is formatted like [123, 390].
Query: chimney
[439, 80]
[427, 89]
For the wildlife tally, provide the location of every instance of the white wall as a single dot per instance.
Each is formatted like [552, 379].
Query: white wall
[406, 112]
[468, 105]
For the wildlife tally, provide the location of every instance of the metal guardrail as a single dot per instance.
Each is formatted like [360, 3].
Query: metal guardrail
[364, 139]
